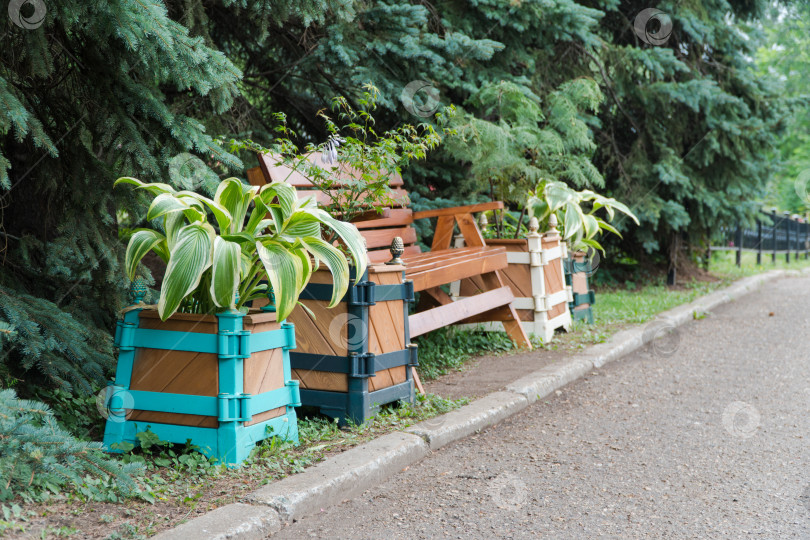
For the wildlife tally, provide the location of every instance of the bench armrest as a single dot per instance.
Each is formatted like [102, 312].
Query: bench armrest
[456, 210]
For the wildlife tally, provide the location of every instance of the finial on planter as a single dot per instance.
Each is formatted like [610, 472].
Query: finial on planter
[137, 290]
[534, 225]
[552, 223]
[483, 221]
[397, 249]
[271, 300]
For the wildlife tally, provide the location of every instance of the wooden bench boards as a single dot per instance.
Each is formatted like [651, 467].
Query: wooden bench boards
[430, 270]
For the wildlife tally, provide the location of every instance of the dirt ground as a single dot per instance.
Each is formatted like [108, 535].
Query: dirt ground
[486, 374]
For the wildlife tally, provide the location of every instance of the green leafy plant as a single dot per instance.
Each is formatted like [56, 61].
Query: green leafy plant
[38, 456]
[354, 167]
[579, 226]
[255, 233]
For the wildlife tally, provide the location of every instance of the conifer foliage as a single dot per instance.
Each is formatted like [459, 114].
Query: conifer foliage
[37, 455]
[97, 91]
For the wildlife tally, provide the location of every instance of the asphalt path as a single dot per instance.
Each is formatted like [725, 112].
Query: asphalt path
[704, 434]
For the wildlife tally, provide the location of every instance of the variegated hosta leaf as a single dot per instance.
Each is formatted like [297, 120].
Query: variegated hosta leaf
[167, 203]
[610, 228]
[306, 263]
[590, 224]
[225, 272]
[334, 259]
[351, 238]
[257, 216]
[222, 215]
[572, 221]
[235, 197]
[278, 218]
[172, 223]
[283, 191]
[157, 188]
[284, 270]
[557, 195]
[302, 224]
[141, 242]
[189, 258]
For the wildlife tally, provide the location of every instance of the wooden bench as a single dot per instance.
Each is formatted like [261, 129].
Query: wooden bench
[428, 271]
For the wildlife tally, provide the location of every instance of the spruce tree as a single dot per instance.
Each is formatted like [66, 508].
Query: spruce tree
[96, 91]
[688, 129]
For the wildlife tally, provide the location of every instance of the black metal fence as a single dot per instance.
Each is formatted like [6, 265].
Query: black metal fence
[773, 235]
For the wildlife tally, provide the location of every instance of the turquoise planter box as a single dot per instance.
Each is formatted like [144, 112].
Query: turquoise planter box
[223, 381]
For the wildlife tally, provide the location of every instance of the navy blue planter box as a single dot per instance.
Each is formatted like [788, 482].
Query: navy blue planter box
[355, 357]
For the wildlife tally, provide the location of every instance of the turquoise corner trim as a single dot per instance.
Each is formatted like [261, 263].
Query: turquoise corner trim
[231, 442]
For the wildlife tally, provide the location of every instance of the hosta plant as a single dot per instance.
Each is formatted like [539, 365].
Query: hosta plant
[219, 251]
[576, 213]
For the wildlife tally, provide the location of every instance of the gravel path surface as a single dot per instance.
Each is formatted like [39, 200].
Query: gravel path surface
[703, 435]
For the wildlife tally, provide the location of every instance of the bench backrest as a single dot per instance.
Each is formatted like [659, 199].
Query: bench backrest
[378, 229]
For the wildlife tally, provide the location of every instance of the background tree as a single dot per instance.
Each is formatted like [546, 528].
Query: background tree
[785, 56]
[688, 129]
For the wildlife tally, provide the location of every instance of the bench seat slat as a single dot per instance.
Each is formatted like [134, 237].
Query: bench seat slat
[436, 259]
[456, 268]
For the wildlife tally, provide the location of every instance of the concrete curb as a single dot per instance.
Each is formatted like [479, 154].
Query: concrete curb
[237, 520]
[350, 473]
[481, 413]
[341, 477]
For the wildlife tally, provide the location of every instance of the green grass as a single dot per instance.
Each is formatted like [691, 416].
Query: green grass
[723, 264]
[618, 308]
[622, 307]
[176, 472]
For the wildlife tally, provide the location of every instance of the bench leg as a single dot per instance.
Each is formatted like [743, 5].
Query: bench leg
[507, 315]
[510, 319]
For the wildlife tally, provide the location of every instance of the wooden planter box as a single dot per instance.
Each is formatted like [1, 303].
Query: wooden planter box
[357, 356]
[577, 269]
[535, 274]
[222, 381]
